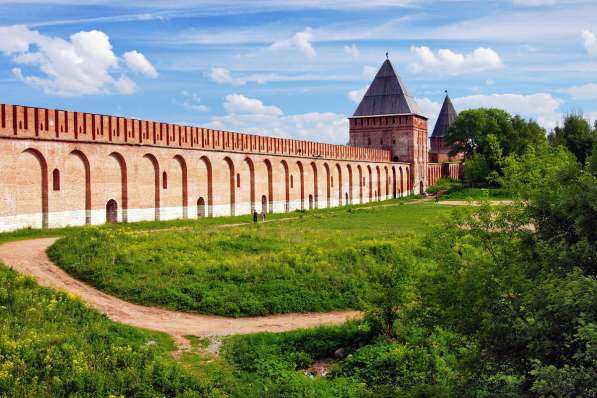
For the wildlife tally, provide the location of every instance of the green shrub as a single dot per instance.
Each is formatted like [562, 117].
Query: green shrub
[52, 345]
[326, 261]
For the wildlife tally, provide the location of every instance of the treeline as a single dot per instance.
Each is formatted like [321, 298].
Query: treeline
[488, 136]
[501, 301]
[498, 301]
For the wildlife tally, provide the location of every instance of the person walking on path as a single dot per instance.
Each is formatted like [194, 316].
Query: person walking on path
[255, 216]
[263, 216]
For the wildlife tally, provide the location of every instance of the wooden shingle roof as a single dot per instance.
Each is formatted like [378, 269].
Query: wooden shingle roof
[387, 95]
[446, 117]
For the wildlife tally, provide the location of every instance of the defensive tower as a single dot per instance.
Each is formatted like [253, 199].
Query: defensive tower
[388, 117]
[440, 151]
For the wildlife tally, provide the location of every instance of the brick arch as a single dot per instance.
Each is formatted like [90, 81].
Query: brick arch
[302, 177]
[43, 166]
[251, 165]
[370, 182]
[123, 183]
[328, 193]
[210, 198]
[407, 172]
[185, 189]
[232, 174]
[349, 168]
[87, 168]
[339, 169]
[156, 169]
[394, 182]
[315, 190]
[378, 175]
[361, 183]
[286, 185]
[401, 181]
[387, 182]
[270, 184]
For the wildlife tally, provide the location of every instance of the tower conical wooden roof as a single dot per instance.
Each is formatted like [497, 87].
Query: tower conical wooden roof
[387, 95]
[446, 117]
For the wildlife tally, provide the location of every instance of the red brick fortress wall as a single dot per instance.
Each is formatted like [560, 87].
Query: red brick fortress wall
[70, 168]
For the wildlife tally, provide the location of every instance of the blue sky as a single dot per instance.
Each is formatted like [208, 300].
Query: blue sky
[296, 68]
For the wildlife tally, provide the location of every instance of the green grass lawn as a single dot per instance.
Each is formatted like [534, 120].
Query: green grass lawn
[319, 261]
[52, 345]
[477, 194]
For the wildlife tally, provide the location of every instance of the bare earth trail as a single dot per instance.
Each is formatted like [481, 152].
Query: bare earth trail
[29, 257]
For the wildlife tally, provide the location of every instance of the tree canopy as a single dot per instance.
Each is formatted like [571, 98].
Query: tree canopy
[472, 132]
[577, 135]
[487, 136]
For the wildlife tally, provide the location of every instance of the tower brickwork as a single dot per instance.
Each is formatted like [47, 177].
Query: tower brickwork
[388, 118]
[440, 150]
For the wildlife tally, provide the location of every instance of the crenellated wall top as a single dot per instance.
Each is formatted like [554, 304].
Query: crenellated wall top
[50, 124]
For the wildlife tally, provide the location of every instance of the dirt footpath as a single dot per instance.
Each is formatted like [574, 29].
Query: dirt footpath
[29, 257]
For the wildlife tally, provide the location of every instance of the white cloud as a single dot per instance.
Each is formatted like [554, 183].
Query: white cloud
[369, 72]
[192, 102]
[17, 39]
[223, 76]
[138, 63]
[450, 62]
[82, 65]
[585, 92]
[314, 126]
[592, 116]
[227, 7]
[301, 41]
[357, 95]
[534, 3]
[430, 110]
[541, 107]
[238, 104]
[531, 26]
[590, 42]
[251, 116]
[353, 51]
[106, 19]
[124, 85]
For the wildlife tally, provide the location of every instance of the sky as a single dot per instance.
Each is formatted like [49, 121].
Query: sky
[296, 68]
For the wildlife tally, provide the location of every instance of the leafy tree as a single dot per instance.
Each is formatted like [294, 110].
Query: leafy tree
[486, 136]
[519, 282]
[476, 170]
[593, 159]
[469, 131]
[527, 133]
[576, 135]
[561, 202]
[395, 290]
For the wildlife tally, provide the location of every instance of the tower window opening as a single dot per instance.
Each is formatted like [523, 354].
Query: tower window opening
[56, 180]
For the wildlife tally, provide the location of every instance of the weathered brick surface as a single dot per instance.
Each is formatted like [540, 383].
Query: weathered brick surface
[64, 168]
[404, 136]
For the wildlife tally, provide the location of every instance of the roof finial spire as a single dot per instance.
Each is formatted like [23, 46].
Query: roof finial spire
[387, 55]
